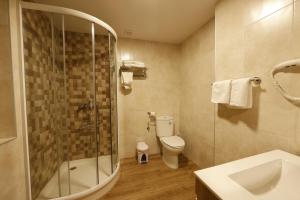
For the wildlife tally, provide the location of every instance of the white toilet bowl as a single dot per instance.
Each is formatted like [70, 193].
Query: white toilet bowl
[172, 147]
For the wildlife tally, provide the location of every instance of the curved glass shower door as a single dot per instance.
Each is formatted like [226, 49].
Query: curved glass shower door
[102, 88]
[82, 115]
[71, 106]
[113, 101]
[45, 101]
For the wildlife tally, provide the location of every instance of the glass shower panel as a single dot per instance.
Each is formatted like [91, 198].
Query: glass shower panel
[42, 87]
[71, 103]
[113, 100]
[61, 109]
[102, 85]
[83, 153]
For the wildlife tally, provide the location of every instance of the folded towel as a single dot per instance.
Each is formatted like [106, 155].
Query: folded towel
[126, 80]
[241, 94]
[132, 63]
[221, 92]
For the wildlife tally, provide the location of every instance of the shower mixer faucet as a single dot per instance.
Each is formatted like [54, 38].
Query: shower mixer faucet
[84, 106]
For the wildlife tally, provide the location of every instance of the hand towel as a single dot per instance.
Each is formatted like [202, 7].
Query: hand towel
[241, 94]
[126, 80]
[221, 92]
[132, 63]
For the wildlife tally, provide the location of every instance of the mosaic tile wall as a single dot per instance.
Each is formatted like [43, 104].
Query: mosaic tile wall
[41, 101]
[80, 92]
[57, 131]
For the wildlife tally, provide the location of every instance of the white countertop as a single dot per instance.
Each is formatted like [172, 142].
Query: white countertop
[218, 181]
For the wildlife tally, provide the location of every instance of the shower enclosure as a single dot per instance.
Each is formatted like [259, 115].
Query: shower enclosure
[70, 79]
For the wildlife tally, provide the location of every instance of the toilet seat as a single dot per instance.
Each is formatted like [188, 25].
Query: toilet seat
[173, 141]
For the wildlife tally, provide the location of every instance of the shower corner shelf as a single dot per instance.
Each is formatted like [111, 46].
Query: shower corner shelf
[138, 72]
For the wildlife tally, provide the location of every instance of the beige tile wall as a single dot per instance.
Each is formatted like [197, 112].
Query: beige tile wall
[159, 93]
[196, 110]
[12, 169]
[251, 37]
[7, 120]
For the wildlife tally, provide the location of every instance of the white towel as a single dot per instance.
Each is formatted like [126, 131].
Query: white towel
[133, 63]
[126, 80]
[241, 94]
[221, 92]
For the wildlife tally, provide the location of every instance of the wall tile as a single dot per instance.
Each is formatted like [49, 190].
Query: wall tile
[268, 42]
[159, 92]
[260, 36]
[196, 110]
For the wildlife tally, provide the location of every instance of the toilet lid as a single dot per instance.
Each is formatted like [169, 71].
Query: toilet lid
[173, 141]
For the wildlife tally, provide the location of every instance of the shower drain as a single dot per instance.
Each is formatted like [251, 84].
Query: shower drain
[72, 168]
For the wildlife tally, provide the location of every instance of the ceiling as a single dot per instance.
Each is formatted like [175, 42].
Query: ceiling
[170, 21]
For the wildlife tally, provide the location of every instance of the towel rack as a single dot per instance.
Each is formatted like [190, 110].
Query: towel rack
[138, 72]
[256, 80]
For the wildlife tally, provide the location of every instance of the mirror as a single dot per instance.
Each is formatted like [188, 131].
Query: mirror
[7, 116]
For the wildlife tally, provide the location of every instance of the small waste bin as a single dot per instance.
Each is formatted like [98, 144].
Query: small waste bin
[142, 152]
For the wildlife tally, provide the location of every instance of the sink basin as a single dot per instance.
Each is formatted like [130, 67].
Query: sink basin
[278, 179]
[273, 175]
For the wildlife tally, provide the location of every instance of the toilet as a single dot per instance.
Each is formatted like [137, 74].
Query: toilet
[172, 145]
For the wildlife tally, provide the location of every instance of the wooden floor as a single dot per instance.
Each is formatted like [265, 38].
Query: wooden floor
[154, 181]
